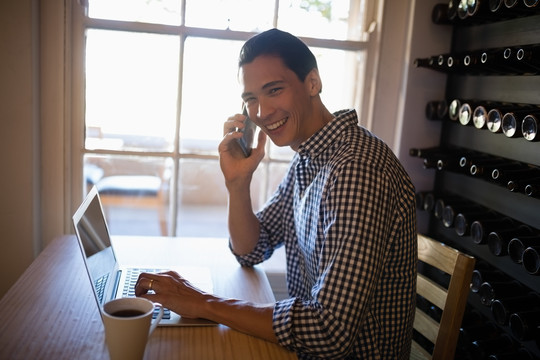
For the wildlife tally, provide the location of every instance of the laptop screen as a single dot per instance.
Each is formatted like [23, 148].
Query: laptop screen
[91, 228]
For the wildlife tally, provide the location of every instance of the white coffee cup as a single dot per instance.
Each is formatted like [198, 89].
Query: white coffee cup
[128, 324]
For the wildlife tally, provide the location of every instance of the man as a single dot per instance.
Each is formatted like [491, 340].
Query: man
[344, 212]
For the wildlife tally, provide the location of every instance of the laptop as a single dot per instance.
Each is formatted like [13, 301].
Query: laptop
[109, 279]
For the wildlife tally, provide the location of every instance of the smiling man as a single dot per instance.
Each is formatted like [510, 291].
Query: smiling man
[344, 212]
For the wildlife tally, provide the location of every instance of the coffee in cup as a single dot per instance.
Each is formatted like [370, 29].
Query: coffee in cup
[128, 324]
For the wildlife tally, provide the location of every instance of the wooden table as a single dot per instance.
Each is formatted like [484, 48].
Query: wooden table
[50, 312]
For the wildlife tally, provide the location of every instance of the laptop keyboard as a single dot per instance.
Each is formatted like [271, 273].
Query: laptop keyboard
[100, 287]
[129, 287]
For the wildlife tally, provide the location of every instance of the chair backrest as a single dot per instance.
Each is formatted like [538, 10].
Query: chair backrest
[452, 300]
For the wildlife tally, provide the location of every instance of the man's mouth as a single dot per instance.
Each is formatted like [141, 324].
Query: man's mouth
[276, 125]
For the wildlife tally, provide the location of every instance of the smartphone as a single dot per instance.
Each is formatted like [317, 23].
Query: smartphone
[248, 134]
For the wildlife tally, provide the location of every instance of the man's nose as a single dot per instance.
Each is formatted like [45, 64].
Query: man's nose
[265, 109]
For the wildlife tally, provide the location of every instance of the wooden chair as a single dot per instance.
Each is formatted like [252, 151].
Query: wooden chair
[452, 301]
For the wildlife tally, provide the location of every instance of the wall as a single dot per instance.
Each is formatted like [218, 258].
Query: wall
[403, 90]
[19, 142]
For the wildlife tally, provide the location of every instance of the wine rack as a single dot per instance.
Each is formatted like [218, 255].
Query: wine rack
[514, 28]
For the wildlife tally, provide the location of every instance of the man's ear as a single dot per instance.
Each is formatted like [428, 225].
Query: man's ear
[313, 82]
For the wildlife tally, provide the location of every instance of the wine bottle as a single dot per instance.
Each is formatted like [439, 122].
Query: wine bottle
[472, 317]
[445, 63]
[520, 6]
[532, 4]
[448, 63]
[519, 354]
[509, 124]
[429, 201]
[478, 11]
[438, 160]
[452, 10]
[529, 127]
[496, 172]
[464, 219]
[485, 167]
[528, 58]
[436, 110]
[510, 4]
[446, 200]
[492, 290]
[496, 5]
[510, 61]
[492, 61]
[521, 185]
[503, 12]
[517, 246]
[495, 115]
[498, 240]
[465, 113]
[511, 175]
[474, 112]
[491, 172]
[439, 15]
[480, 229]
[502, 308]
[524, 324]
[431, 110]
[454, 161]
[416, 152]
[480, 117]
[531, 260]
[481, 349]
[479, 276]
[487, 330]
[419, 197]
[453, 109]
[425, 200]
[432, 63]
[470, 62]
[532, 189]
[467, 160]
[512, 120]
[462, 10]
[450, 212]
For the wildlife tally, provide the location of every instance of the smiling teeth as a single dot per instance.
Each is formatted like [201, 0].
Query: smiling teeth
[275, 125]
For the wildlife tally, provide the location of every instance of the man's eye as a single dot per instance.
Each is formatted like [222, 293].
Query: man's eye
[275, 90]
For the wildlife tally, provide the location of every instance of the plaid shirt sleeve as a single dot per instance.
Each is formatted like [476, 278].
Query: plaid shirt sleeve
[346, 215]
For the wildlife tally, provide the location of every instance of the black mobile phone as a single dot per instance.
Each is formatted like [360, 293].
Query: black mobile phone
[248, 134]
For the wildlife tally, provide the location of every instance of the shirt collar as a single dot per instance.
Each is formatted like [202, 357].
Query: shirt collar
[328, 134]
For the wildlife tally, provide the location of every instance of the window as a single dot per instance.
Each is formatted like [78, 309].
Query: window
[158, 79]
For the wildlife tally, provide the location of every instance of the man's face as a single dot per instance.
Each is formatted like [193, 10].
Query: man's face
[277, 101]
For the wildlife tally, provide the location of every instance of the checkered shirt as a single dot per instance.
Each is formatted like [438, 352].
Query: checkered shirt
[346, 215]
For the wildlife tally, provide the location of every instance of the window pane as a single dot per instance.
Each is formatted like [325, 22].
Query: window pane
[315, 18]
[202, 199]
[150, 11]
[134, 192]
[131, 90]
[275, 175]
[211, 92]
[240, 15]
[279, 153]
[339, 70]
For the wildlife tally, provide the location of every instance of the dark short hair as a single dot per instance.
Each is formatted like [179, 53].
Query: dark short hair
[294, 53]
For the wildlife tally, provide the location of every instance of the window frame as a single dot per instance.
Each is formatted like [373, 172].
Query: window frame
[81, 22]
